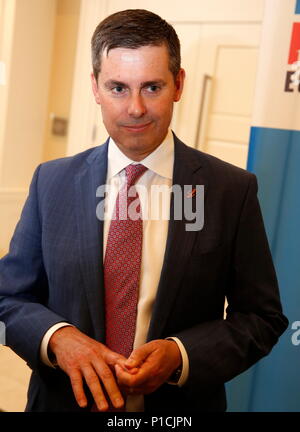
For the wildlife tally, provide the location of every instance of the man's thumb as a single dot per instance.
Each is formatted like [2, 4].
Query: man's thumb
[137, 357]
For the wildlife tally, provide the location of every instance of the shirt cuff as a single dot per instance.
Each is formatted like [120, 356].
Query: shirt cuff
[185, 363]
[45, 341]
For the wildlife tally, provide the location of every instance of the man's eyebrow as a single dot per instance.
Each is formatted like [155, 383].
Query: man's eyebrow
[153, 82]
[114, 83]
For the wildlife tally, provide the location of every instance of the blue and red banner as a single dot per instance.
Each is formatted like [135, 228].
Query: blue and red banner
[274, 156]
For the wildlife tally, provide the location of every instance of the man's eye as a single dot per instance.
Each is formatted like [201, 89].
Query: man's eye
[153, 88]
[118, 89]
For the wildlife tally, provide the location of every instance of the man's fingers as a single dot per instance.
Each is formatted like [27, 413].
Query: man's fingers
[94, 385]
[110, 385]
[134, 380]
[92, 379]
[76, 382]
[138, 356]
[112, 358]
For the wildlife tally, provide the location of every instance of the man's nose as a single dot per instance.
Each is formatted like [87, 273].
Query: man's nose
[136, 106]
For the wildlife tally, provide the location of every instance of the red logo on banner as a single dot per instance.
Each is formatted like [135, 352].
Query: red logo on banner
[292, 80]
[295, 44]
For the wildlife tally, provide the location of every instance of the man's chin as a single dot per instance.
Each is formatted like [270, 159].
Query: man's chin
[136, 148]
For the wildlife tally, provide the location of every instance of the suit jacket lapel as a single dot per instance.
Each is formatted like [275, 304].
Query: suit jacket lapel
[187, 171]
[90, 231]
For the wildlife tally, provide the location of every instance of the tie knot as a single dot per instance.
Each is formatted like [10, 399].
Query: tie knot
[133, 173]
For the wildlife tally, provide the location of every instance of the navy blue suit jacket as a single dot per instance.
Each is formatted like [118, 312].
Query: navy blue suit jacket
[53, 272]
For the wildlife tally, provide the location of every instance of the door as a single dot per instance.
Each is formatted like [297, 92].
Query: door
[214, 114]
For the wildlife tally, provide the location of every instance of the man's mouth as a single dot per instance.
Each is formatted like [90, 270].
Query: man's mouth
[137, 127]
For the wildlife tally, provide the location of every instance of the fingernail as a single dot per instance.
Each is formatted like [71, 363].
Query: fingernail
[103, 407]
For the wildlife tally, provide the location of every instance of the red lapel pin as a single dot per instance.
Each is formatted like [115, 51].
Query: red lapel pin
[191, 193]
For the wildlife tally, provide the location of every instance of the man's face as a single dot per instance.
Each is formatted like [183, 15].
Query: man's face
[136, 91]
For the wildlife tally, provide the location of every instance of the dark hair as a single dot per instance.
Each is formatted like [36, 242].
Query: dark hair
[133, 28]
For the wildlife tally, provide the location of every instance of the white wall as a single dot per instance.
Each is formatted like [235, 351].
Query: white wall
[62, 71]
[29, 71]
[26, 39]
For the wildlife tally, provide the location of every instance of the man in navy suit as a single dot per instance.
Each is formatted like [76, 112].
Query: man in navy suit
[52, 281]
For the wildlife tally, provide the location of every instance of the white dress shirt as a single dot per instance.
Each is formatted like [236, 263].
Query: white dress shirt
[155, 215]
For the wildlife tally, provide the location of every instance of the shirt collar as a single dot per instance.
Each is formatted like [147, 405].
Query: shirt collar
[160, 161]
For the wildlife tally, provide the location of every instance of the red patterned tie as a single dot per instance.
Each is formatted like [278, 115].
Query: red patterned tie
[122, 266]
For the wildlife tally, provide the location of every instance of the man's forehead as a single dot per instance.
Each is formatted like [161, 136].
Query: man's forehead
[141, 65]
[133, 54]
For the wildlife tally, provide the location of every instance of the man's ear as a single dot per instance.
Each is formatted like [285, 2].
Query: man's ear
[95, 88]
[179, 81]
